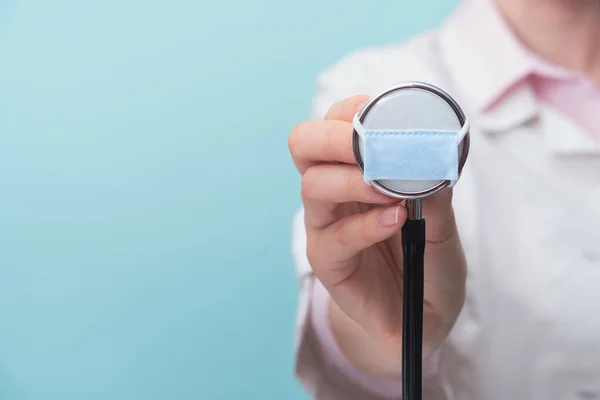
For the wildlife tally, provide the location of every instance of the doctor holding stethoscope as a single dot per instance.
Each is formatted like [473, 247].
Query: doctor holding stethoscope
[512, 256]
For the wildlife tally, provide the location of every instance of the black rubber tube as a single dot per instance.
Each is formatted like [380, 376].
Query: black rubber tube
[413, 246]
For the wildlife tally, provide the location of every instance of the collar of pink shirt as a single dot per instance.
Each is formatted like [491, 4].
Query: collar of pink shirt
[499, 65]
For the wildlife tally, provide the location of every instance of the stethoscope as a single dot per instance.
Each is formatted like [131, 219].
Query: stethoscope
[407, 106]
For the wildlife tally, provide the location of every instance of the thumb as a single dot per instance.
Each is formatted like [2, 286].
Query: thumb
[437, 210]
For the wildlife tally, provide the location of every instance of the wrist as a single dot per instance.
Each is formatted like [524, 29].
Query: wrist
[379, 356]
[376, 356]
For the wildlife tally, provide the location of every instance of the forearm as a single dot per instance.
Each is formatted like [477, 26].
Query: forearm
[380, 357]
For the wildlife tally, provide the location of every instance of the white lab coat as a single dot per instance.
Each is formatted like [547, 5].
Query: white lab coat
[528, 211]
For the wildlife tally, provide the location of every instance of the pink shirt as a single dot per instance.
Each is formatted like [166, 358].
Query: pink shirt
[508, 65]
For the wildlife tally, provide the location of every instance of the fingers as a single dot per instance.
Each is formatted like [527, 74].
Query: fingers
[437, 210]
[349, 236]
[345, 109]
[330, 140]
[326, 186]
[339, 184]
[313, 142]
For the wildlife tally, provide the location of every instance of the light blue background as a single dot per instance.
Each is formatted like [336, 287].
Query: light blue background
[146, 189]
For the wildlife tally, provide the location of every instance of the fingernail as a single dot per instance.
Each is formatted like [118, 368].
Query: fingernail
[389, 216]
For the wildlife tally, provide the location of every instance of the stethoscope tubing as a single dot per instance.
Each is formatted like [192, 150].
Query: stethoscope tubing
[413, 246]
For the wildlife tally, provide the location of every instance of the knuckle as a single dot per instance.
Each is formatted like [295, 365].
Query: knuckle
[341, 135]
[309, 185]
[338, 138]
[295, 138]
[348, 183]
[329, 131]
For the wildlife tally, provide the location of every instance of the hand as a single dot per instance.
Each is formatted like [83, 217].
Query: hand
[354, 247]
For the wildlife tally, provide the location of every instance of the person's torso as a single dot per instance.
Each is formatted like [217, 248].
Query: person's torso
[528, 209]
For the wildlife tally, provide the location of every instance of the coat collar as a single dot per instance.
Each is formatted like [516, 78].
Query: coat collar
[492, 70]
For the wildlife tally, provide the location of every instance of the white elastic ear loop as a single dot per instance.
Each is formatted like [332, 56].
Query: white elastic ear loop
[360, 130]
[463, 132]
[358, 126]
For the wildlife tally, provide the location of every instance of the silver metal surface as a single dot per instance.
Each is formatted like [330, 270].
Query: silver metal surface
[414, 209]
[430, 188]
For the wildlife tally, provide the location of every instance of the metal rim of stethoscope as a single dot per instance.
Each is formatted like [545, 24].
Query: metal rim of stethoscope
[411, 85]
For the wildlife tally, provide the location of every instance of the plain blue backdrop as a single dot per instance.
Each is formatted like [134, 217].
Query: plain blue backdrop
[146, 189]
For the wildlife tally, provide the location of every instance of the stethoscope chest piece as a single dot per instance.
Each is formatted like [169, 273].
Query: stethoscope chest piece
[429, 117]
[411, 106]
